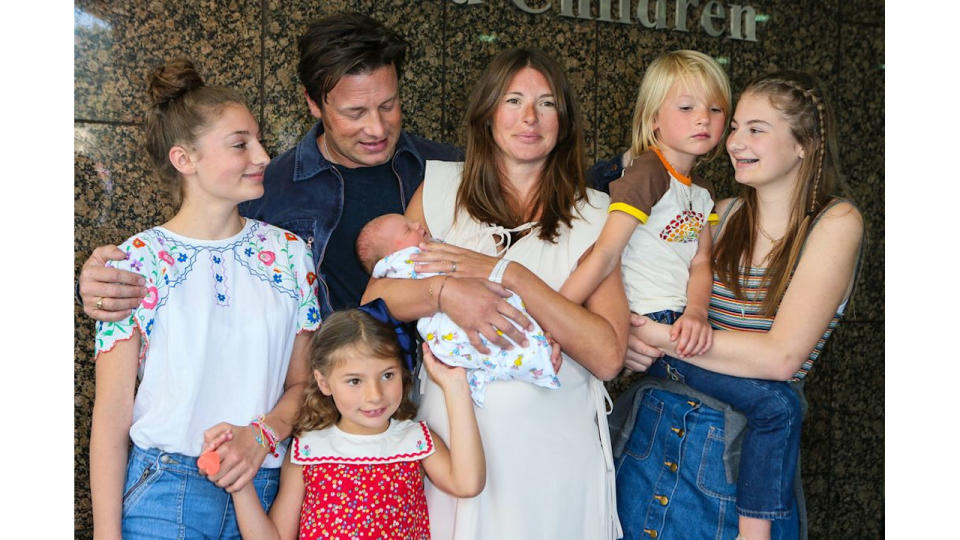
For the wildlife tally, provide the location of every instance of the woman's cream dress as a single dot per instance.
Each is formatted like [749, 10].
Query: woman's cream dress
[549, 467]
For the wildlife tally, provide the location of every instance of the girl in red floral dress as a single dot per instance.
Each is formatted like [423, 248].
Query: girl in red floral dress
[356, 464]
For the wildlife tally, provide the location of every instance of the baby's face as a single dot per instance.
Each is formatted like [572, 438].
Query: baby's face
[404, 232]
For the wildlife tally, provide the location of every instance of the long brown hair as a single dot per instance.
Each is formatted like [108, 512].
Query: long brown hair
[344, 332]
[800, 98]
[180, 107]
[562, 182]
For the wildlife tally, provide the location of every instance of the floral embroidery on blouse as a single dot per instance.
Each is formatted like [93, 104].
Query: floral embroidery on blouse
[271, 264]
[220, 288]
[272, 255]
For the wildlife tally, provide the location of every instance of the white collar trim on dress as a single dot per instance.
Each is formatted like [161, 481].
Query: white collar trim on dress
[403, 440]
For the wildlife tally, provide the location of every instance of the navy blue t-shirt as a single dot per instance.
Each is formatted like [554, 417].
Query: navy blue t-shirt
[368, 192]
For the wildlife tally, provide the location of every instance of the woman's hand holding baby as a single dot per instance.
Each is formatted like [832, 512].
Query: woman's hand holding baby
[463, 299]
[453, 261]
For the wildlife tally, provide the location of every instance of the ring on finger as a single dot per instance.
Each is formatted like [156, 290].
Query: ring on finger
[99, 302]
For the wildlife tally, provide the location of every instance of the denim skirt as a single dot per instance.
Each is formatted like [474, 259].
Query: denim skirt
[165, 496]
[671, 482]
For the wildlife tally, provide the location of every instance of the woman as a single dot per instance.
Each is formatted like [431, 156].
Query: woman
[785, 259]
[520, 201]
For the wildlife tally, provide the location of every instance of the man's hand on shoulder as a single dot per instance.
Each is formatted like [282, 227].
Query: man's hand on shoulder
[109, 294]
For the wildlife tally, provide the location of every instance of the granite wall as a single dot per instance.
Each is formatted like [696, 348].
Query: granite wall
[250, 45]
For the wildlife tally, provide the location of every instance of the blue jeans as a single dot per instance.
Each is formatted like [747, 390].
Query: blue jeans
[165, 496]
[671, 481]
[771, 441]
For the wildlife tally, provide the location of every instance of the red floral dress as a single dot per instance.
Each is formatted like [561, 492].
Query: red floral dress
[364, 486]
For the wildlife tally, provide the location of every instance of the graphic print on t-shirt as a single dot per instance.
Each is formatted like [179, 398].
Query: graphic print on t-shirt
[683, 228]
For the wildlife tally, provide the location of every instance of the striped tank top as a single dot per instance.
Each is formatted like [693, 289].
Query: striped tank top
[727, 312]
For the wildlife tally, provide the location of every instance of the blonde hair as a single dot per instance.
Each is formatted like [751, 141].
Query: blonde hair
[800, 98]
[345, 332]
[686, 67]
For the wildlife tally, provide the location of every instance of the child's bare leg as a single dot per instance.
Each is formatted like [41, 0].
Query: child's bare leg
[754, 528]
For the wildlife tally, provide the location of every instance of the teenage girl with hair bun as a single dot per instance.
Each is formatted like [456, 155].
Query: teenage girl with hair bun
[218, 343]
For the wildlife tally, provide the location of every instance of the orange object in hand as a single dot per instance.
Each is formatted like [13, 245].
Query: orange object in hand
[209, 463]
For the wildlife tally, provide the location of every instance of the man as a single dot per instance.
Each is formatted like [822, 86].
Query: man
[355, 164]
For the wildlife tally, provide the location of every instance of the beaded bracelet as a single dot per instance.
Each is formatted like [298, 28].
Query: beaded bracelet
[263, 439]
[265, 435]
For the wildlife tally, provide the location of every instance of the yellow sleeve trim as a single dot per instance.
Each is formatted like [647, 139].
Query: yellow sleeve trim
[627, 209]
[713, 218]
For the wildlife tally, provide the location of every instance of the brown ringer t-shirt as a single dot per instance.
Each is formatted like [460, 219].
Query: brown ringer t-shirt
[672, 210]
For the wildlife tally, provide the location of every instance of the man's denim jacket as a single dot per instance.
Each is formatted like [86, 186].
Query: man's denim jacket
[303, 192]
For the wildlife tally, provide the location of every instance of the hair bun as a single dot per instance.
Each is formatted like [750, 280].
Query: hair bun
[172, 80]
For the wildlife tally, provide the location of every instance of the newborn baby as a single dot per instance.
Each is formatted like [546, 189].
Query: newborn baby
[384, 247]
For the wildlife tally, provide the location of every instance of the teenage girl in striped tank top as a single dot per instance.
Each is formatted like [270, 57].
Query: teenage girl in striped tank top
[785, 258]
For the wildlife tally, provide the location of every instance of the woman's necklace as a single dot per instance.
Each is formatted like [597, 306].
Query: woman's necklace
[767, 235]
